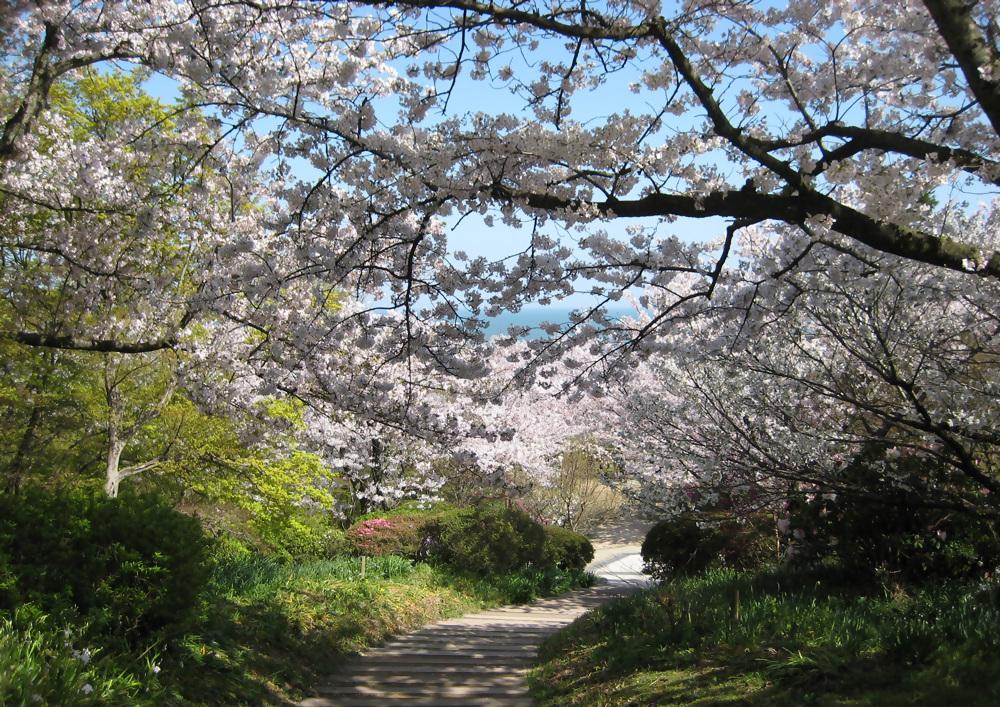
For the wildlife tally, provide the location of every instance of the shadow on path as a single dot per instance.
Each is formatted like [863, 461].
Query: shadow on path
[483, 658]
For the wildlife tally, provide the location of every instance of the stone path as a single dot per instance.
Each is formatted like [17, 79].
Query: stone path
[478, 659]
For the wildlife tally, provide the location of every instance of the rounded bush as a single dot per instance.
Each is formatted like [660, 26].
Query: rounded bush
[677, 546]
[688, 544]
[129, 566]
[489, 539]
[892, 532]
[566, 548]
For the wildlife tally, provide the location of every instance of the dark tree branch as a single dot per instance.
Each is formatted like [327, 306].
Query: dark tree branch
[978, 61]
[80, 343]
[792, 209]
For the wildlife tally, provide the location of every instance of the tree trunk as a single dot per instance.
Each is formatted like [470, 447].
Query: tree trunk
[15, 472]
[112, 474]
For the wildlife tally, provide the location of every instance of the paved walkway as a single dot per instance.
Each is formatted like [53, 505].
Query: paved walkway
[478, 659]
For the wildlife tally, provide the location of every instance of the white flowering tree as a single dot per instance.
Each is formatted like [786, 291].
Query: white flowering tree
[836, 118]
[341, 142]
[873, 361]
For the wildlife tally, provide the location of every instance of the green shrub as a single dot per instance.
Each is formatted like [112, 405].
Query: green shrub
[336, 544]
[299, 534]
[489, 539]
[677, 546]
[567, 549]
[129, 567]
[689, 543]
[535, 582]
[890, 531]
[411, 509]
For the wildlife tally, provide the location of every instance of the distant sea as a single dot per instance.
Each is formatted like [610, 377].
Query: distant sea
[534, 316]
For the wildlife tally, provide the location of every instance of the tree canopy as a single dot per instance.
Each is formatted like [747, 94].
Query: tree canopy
[286, 222]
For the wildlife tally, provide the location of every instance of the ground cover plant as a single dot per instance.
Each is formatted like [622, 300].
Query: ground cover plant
[780, 637]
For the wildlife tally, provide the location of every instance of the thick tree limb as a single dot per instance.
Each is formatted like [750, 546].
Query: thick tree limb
[792, 209]
[36, 96]
[861, 139]
[80, 343]
[977, 58]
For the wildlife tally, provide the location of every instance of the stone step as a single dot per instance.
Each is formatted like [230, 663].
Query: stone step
[475, 628]
[484, 637]
[415, 702]
[478, 660]
[418, 654]
[399, 680]
[445, 658]
[459, 646]
[396, 691]
[488, 671]
[513, 624]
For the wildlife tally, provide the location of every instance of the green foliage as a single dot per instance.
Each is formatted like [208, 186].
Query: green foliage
[277, 497]
[39, 665]
[130, 567]
[567, 549]
[780, 638]
[688, 544]
[412, 509]
[511, 587]
[678, 546]
[254, 575]
[45, 401]
[890, 531]
[536, 582]
[489, 539]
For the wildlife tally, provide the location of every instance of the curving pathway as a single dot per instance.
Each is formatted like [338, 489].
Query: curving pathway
[483, 658]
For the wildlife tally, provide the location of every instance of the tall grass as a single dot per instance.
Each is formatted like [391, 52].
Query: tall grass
[784, 638]
[43, 665]
[255, 575]
[743, 609]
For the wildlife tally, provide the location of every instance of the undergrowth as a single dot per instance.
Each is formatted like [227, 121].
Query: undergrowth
[267, 631]
[777, 637]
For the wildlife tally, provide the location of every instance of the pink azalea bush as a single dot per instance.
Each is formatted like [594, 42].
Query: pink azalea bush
[402, 535]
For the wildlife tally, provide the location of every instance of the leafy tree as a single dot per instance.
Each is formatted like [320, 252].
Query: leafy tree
[576, 495]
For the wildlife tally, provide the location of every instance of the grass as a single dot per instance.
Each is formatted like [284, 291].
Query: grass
[777, 638]
[39, 665]
[268, 632]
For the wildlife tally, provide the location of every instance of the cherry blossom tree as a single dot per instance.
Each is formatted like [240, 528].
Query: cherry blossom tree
[879, 361]
[322, 152]
[835, 118]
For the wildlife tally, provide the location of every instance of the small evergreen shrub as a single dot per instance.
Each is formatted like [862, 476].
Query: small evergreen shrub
[489, 539]
[691, 543]
[567, 549]
[129, 567]
[678, 546]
